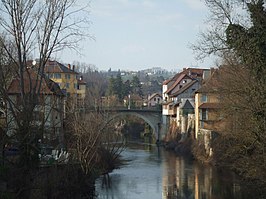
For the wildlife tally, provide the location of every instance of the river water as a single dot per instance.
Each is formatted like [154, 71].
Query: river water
[153, 173]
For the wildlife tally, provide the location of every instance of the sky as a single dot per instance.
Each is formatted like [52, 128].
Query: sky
[141, 34]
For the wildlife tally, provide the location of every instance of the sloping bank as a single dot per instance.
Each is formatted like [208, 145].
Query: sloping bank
[209, 148]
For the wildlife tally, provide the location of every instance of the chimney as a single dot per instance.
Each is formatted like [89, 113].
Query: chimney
[73, 67]
[69, 67]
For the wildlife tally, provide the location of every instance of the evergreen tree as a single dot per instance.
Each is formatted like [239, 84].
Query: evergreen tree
[136, 86]
[126, 88]
[111, 86]
[118, 87]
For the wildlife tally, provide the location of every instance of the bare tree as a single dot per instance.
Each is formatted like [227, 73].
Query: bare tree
[212, 41]
[241, 45]
[94, 142]
[96, 83]
[36, 28]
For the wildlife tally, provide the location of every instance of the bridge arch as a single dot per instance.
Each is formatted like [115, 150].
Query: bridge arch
[153, 118]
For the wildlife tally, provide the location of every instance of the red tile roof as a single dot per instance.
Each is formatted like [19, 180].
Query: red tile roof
[184, 88]
[212, 83]
[31, 80]
[81, 81]
[56, 67]
[178, 80]
[153, 95]
[210, 105]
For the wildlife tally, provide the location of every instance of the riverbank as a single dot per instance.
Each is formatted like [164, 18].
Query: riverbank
[195, 149]
[55, 180]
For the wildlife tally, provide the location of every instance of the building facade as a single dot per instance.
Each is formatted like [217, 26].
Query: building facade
[47, 115]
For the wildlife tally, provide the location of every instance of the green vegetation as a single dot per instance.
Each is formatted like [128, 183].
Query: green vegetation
[122, 89]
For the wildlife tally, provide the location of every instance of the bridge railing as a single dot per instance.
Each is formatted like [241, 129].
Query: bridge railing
[106, 108]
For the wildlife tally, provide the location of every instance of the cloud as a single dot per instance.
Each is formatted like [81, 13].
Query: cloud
[195, 4]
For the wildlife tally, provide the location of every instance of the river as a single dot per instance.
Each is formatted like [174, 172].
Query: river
[153, 173]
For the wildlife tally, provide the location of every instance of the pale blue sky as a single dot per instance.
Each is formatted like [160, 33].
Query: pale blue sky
[140, 34]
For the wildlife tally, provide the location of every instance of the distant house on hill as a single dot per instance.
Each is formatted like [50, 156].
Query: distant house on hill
[133, 101]
[153, 100]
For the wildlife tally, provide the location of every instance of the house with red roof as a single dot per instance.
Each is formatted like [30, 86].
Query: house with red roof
[64, 76]
[48, 105]
[153, 100]
[179, 93]
[207, 106]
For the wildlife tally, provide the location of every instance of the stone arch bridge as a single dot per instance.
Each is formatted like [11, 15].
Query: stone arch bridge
[152, 116]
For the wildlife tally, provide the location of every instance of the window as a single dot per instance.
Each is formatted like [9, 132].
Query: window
[67, 76]
[75, 86]
[67, 85]
[204, 114]
[204, 98]
[154, 99]
[57, 76]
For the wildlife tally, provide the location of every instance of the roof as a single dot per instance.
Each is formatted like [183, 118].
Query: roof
[210, 105]
[31, 79]
[154, 94]
[211, 84]
[187, 105]
[194, 72]
[180, 77]
[133, 97]
[81, 82]
[56, 67]
[184, 88]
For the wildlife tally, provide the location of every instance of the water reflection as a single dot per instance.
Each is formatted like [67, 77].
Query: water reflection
[187, 179]
[153, 173]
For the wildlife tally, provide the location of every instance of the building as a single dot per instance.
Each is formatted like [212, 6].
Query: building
[81, 93]
[153, 100]
[133, 101]
[179, 97]
[183, 101]
[207, 106]
[64, 76]
[208, 112]
[172, 86]
[48, 106]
